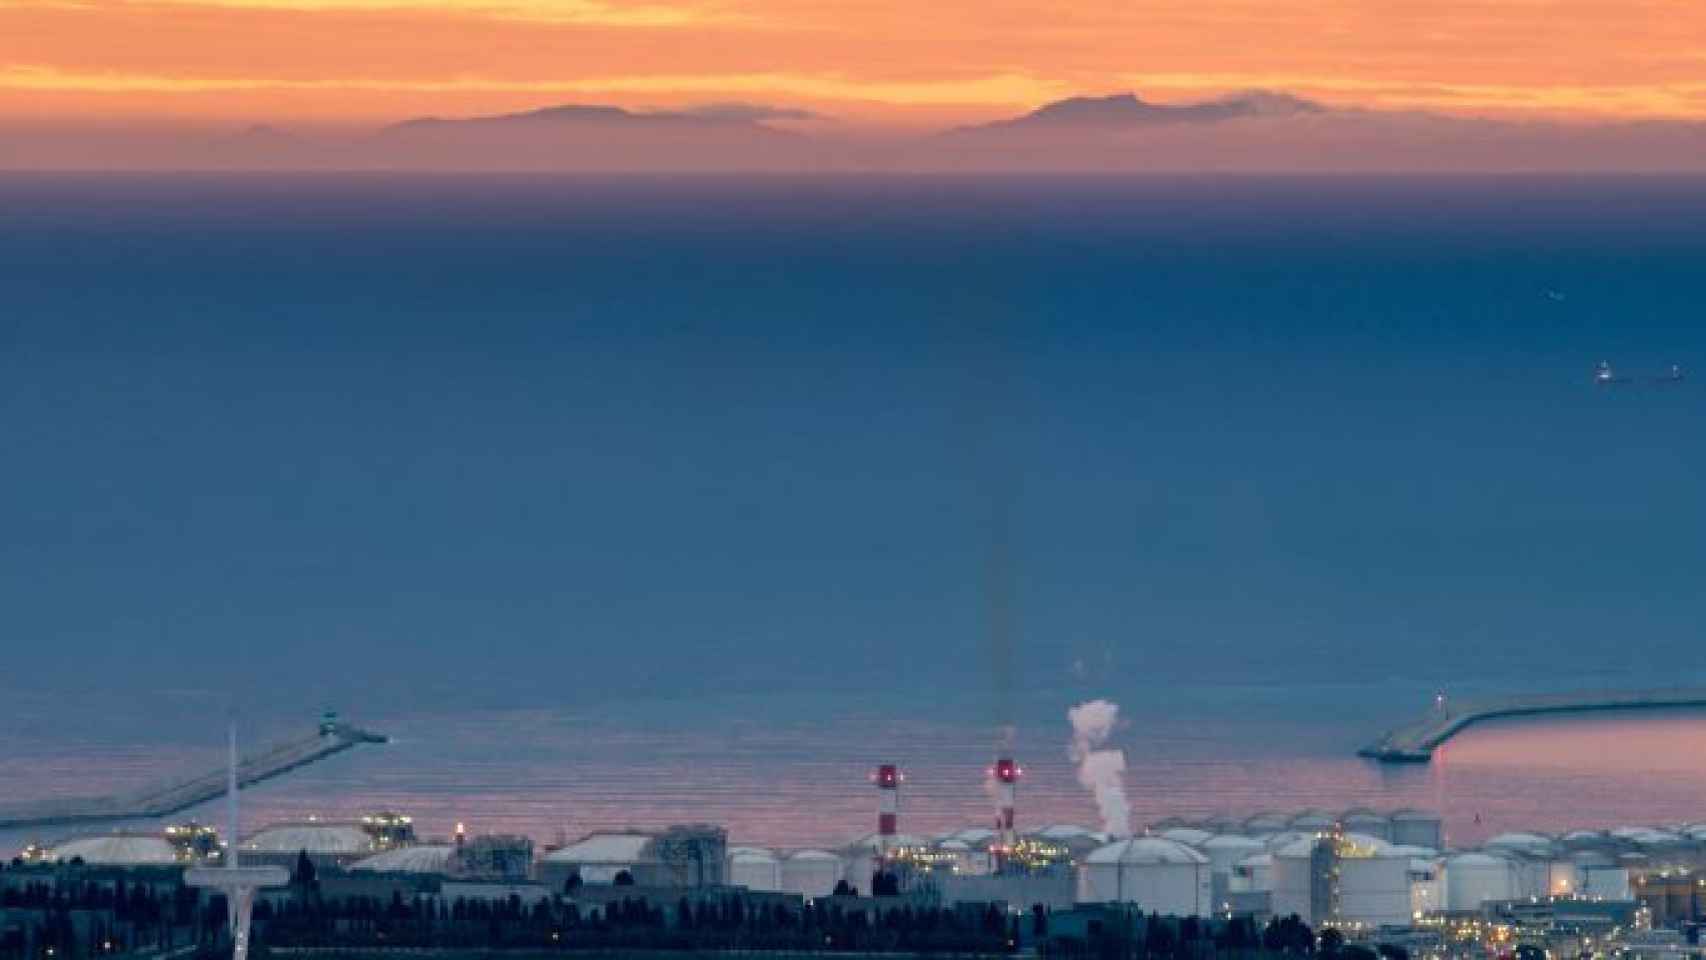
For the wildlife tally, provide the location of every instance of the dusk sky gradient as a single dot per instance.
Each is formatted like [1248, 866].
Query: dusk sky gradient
[873, 65]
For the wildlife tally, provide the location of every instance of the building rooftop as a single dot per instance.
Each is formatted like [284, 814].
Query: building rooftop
[431, 858]
[320, 838]
[604, 848]
[117, 849]
[1146, 850]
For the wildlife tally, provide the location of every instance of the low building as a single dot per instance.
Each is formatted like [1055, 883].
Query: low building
[684, 856]
[117, 850]
[326, 844]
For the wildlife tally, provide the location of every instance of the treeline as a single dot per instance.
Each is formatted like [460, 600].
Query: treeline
[1156, 937]
[81, 918]
[727, 923]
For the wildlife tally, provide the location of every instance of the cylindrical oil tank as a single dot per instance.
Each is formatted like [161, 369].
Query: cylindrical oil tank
[1606, 881]
[1427, 885]
[1563, 878]
[1253, 874]
[1375, 890]
[812, 873]
[1224, 852]
[755, 869]
[1472, 879]
[1158, 875]
[1299, 880]
[1530, 876]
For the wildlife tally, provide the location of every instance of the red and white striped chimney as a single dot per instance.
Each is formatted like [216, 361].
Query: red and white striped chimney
[1007, 775]
[887, 779]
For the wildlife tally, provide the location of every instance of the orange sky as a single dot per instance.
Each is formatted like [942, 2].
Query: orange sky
[882, 62]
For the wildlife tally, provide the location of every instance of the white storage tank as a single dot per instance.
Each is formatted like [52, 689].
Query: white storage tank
[1563, 879]
[755, 869]
[812, 873]
[326, 844]
[1472, 879]
[1530, 876]
[1605, 881]
[1427, 885]
[1158, 875]
[864, 857]
[1374, 885]
[1298, 884]
[1223, 854]
[1253, 874]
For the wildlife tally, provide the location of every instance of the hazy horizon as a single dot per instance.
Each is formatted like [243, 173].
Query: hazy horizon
[1257, 131]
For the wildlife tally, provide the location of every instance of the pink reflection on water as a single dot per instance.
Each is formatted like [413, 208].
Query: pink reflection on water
[554, 776]
[1567, 772]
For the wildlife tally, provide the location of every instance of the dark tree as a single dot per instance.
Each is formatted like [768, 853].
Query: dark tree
[304, 876]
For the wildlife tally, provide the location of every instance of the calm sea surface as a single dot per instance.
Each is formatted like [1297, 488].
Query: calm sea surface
[629, 502]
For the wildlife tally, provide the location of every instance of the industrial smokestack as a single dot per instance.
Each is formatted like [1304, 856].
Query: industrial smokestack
[1007, 774]
[1101, 771]
[887, 779]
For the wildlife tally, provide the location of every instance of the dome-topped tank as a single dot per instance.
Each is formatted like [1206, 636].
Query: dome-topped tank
[1157, 874]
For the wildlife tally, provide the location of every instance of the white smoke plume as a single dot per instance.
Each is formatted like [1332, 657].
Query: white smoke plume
[1101, 771]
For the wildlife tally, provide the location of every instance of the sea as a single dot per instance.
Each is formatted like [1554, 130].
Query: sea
[628, 501]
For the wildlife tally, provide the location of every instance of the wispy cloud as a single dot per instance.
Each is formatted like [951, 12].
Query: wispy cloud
[595, 12]
[998, 88]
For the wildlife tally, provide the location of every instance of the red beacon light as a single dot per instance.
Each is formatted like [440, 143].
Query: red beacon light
[887, 775]
[1007, 771]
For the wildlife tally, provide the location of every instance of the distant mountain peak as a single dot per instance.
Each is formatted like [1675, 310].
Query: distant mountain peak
[1128, 109]
[561, 113]
[729, 115]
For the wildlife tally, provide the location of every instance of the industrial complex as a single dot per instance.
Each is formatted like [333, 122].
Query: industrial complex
[1380, 876]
